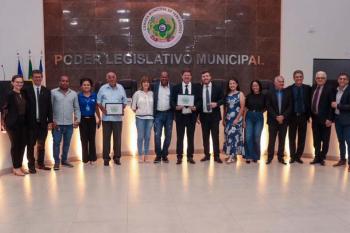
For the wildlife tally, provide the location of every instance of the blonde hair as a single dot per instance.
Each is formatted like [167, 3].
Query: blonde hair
[145, 79]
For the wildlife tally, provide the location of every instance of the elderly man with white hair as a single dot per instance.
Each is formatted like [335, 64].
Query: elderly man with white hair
[279, 109]
[322, 116]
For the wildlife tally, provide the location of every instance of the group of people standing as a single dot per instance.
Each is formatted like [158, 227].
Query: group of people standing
[31, 111]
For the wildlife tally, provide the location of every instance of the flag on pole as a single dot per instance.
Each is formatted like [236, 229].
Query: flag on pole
[19, 68]
[30, 68]
[41, 65]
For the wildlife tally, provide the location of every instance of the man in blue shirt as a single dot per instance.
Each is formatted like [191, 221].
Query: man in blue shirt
[111, 93]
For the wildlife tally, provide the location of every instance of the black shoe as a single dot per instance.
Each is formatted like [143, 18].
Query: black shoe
[255, 161]
[67, 164]
[315, 161]
[32, 170]
[179, 161]
[282, 161]
[205, 158]
[268, 161]
[218, 160]
[157, 160]
[299, 161]
[117, 161]
[322, 163]
[247, 161]
[292, 160]
[43, 167]
[191, 161]
[56, 167]
[106, 163]
[340, 163]
[165, 160]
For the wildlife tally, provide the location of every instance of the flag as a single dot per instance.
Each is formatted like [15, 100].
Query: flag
[41, 65]
[19, 69]
[30, 69]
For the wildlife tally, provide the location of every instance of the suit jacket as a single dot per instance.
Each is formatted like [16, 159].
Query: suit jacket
[325, 110]
[10, 110]
[272, 106]
[306, 97]
[195, 90]
[217, 96]
[45, 106]
[155, 89]
[344, 107]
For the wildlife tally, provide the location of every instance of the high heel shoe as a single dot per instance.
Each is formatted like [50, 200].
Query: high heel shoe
[230, 160]
[18, 172]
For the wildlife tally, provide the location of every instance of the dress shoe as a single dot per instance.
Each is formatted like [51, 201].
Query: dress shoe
[299, 161]
[205, 158]
[339, 163]
[117, 161]
[106, 163]
[67, 164]
[56, 167]
[179, 161]
[157, 160]
[191, 161]
[292, 160]
[247, 161]
[218, 160]
[315, 161]
[255, 161]
[32, 170]
[322, 163]
[43, 167]
[282, 161]
[165, 160]
[268, 161]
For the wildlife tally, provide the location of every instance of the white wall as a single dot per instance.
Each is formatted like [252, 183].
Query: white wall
[313, 29]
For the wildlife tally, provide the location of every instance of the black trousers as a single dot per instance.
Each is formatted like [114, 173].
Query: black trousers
[87, 129]
[36, 136]
[18, 139]
[185, 122]
[297, 125]
[281, 130]
[210, 125]
[321, 135]
[110, 127]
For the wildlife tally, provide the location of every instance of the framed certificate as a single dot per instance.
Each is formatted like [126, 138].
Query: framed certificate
[185, 100]
[114, 109]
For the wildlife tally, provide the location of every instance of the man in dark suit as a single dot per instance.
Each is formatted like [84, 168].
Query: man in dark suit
[39, 114]
[186, 116]
[322, 117]
[210, 116]
[163, 116]
[279, 108]
[342, 117]
[301, 97]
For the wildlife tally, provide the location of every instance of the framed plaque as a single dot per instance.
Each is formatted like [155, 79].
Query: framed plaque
[114, 109]
[185, 100]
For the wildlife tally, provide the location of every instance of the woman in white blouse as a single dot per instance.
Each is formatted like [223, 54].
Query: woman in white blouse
[142, 105]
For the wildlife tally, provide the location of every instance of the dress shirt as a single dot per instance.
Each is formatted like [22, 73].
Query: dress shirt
[142, 103]
[186, 110]
[163, 98]
[340, 93]
[108, 94]
[205, 104]
[64, 104]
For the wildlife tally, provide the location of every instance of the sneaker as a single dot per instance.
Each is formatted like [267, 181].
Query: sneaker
[67, 164]
[56, 167]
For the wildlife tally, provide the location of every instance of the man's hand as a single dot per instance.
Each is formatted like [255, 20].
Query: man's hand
[103, 110]
[179, 107]
[280, 119]
[213, 105]
[328, 123]
[334, 104]
[193, 108]
[75, 124]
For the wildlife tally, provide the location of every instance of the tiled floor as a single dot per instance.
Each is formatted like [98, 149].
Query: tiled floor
[205, 197]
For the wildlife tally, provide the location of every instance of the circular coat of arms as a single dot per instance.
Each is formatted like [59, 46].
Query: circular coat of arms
[162, 27]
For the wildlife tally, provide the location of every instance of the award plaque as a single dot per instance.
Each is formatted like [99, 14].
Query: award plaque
[114, 109]
[185, 100]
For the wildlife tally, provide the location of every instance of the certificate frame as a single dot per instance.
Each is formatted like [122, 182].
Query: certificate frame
[185, 100]
[114, 109]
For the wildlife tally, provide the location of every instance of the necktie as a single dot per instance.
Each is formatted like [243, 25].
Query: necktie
[299, 101]
[314, 101]
[207, 98]
[279, 100]
[37, 102]
[186, 89]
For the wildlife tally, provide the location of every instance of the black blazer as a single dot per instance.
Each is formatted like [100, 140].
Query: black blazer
[45, 109]
[155, 89]
[272, 106]
[217, 96]
[325, 110]
[307, 99]
[10, 110]
[195, 90]
[344, 107]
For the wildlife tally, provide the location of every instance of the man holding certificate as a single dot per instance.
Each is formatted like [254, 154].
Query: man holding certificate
[112, 100]
[186, 99]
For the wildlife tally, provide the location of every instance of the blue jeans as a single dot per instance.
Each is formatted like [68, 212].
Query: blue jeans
[143, 127]
[254, 126]
[163, 120]
[66, 132]
[343, 135]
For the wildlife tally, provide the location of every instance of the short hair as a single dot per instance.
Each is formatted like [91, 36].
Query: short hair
[277, 77]
[186, 70]
[86, 80]
[36, 72]
[109, 72]
[14, 77]
[321, 72]
[145, 79]
[344, 74]
[251, 86]
[298, 72]
[64, 75]
[205, 71]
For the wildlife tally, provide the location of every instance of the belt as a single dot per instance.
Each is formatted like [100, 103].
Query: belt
[165, 110]
[88, 117]
[299, 114]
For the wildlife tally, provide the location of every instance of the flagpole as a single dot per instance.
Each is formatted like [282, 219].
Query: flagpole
[3, 71]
